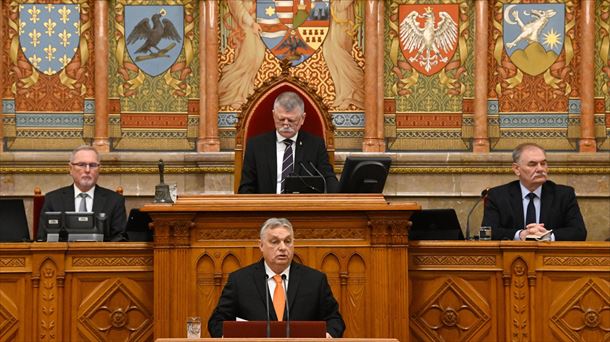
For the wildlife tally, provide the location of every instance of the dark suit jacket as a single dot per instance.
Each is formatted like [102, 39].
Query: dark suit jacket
[309, 299]
[104, 201]
[259, 172]
[559, 211]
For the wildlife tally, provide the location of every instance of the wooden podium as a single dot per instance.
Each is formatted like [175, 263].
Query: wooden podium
[359, 241]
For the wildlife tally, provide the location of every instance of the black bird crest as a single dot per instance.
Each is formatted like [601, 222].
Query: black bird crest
[160, 29]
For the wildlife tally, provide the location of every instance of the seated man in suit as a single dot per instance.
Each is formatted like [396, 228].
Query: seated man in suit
[533, 205]
[272, 156]
[309, 295]
[86, 195]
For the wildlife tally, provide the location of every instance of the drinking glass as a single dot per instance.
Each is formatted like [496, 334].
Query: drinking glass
[193, 327]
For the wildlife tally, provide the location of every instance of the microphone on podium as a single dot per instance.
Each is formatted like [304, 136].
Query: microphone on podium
[315, 169]
[483, 195]
[287, 307]
[267, 294]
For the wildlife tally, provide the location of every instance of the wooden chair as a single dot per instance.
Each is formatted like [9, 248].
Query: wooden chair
[257, 117]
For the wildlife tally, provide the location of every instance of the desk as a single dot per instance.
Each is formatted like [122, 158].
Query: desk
[359, 241]
[77, 291]
[460, 291]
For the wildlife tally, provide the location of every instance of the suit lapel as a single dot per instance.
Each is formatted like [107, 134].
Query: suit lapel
[258, 278]
[293, 285]
[68, 198]
[98, 200]
[270, 145]
[517, 205]
[546, 203]
[298, 156]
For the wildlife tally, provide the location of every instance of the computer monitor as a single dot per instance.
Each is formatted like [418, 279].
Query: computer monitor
[435, 224]
[364, 174]
[298, 329]
[304, 185]
[79, 226]
[13, 222]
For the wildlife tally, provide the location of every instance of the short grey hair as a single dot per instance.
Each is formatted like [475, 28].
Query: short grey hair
[522, 147]
[84, 148]
[275, 222]
[289, 101]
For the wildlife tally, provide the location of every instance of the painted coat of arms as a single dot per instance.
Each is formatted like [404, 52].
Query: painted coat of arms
[155, 36]
[293, 29]
[428, 35]
[533, 35]
[49, 35]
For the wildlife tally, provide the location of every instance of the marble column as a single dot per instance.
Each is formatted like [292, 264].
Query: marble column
[100, 140]
[587, 81]
[208, 140]
[480, 141]
[373, 101]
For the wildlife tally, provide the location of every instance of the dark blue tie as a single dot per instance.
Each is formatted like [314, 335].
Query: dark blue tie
[530, 216]
[287, 163]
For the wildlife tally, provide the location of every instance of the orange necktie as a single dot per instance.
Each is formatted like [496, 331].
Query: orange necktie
[279, 297]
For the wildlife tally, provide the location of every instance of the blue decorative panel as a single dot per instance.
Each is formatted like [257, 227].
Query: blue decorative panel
[492, 106]
[533, 120]
[50, 120]
[351, 120]
[227, 119]
[8, 106]
[574, 106]
[89, 106]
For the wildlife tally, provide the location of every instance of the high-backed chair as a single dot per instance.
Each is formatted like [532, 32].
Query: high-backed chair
[257, 117]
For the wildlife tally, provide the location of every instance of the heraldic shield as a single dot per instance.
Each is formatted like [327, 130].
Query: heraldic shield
[533, 35]
[49, 35]
[293, 29]
[155, 35]
[428, 35]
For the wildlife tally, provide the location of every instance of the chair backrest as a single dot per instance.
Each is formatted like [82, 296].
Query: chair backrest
[257, 117]
[13, 223]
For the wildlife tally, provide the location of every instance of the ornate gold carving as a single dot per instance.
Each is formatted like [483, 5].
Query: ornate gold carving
[302, 233]
[583, 315]
[113, 261]
[393, 170]
[8, 319]
[452, 313]
[462, 260]
[577, 261]
[115, 312]
[48, 302]
[12, 262]
[519, 301]
[387, 231]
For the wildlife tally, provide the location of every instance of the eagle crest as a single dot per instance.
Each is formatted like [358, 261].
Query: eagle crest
[160, 29]
[433, 44]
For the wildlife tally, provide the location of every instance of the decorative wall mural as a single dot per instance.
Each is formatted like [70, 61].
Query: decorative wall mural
[154, 48]
[428, 46]
[293, 30]
[49, 35]
[171, 56]
[533, 35]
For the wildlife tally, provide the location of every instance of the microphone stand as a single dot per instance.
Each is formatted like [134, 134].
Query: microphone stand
[287, 307]
[315, 169]
[267, 294]
[483, 195]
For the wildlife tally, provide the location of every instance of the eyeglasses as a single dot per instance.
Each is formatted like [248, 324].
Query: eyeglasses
[85, 165]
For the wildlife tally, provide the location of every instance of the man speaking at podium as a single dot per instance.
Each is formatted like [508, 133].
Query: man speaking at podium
[277, 288]
[272, 156]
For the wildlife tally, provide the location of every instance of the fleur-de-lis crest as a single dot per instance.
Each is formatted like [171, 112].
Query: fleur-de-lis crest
[35, 35]
[65, 37]
[50, 26]
[64, 13]
[34, 14]
[50, 51]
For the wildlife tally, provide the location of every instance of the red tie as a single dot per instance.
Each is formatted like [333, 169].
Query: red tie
[279, 297]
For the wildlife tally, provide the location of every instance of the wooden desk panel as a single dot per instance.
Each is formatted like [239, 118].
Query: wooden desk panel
[457, 291]
[509, 291]
[76, 291]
